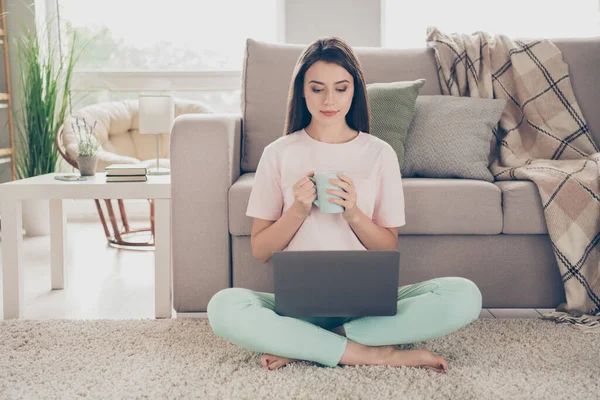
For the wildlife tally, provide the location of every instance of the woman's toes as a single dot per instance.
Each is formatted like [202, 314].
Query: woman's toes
[439, 370]
[265, 359]
[443, 365]
[440, 366]
[271, 362]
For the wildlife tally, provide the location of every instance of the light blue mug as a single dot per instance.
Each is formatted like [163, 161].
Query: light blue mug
[321, 181]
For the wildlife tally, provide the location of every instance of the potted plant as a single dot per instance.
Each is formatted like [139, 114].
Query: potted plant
[45, 80]
[87, 148]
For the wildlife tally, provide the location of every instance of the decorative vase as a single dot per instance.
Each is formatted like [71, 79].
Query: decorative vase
[87, 165]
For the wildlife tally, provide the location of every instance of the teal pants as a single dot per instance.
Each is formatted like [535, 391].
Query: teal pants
[426, 310]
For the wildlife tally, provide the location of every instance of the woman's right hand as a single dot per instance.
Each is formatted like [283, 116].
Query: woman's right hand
[304, 194]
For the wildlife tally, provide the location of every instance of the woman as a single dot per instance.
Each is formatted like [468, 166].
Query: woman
[327, 129]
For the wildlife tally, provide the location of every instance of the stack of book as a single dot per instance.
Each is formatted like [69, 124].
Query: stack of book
[126, 173]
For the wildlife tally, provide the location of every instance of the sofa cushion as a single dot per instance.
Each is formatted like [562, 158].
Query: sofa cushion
[392, 107]
[264, 105]
[522, 208]
[433, 206]
[451, 206]
[451, 137]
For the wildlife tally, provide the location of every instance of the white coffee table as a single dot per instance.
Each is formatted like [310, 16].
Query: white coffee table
[46, 187]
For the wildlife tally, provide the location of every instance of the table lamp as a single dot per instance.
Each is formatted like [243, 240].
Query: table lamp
[157, 113]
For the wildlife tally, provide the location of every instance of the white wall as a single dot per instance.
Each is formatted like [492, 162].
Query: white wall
[356, 21]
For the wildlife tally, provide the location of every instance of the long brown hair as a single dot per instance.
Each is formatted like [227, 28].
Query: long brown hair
[333, 50]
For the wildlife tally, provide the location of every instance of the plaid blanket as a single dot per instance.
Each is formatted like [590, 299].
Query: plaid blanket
[542, 137]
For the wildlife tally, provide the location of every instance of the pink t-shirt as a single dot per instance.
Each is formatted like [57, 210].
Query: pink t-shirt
[370, 162]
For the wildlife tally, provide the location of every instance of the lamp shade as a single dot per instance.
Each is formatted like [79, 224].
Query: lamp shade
[156, 114]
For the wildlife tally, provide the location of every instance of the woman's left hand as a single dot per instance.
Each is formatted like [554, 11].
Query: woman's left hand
[348, 197]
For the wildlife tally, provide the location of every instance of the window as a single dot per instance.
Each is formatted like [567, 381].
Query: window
[193, 49]
[405, 23]
[178, 35]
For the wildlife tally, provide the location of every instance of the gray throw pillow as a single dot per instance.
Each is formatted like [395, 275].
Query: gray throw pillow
[451, 137]
[392, 107]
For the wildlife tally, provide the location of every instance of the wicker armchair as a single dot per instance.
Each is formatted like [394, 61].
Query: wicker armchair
[117, 130]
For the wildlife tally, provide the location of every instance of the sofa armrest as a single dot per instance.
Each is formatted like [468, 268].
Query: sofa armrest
[205, 161]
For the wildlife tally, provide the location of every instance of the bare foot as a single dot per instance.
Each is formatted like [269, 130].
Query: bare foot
[272, 362]
[421, 358]
[388, 355]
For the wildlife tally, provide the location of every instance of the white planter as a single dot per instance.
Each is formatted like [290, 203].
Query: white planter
[36, 217]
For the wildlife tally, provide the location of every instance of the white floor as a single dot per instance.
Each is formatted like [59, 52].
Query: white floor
[107, 283]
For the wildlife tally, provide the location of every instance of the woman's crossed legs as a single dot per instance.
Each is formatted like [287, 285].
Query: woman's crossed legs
[426, 310]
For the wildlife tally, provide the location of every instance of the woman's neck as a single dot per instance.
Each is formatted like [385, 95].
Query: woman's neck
[331, 134]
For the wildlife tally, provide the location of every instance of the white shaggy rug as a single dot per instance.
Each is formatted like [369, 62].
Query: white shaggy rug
[182, 358]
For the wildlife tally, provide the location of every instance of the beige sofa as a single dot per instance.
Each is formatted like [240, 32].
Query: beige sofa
[491, 233]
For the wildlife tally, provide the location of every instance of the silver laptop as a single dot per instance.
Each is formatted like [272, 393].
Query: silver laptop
[336, 283]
